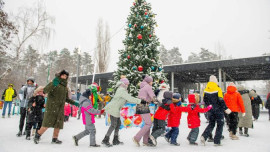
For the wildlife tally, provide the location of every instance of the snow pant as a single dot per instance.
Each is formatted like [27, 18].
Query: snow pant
[255, 111]
[115, 126]
[173, 134]
[66, 118]
[193, 135]
[23, 113]
[9, 105]
[89, 129]
[79, 113]
[145, 130]
[233, 122]
[158, 128]
[214, 118]
[29, 126]
[245, 130]
[206, 116]
[71, 111]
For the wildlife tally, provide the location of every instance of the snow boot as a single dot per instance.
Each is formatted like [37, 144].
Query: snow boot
[246, 132]
[241, 132]
[75, 140]
[36, 139]
[27, 137]
[56, 141]
[24, 133]
[19, 134]
[137, 143]
[234, 137]
[203, 140]
[193, 143]
[116, 141]
[96, 145]
[175, 144]
[153, 139]
[106, 142]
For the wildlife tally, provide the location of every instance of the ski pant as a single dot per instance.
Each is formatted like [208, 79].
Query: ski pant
[233, 122]
[29, 126]
[215, 117]
[89, 129]
[158, 128]
[66, 118]
[193, 135]
[115, 126]
[9, 105]
[173, 134]
[255, 111]
[145, 130]
[23, 113]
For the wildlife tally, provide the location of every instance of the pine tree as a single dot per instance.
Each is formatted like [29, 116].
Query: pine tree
[140, 55]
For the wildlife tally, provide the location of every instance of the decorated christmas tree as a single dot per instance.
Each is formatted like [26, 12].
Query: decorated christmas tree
[140, 55]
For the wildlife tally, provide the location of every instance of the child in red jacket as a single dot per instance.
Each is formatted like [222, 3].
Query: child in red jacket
[193, 118]
[174, 119]
[67, 110]
[160, 117]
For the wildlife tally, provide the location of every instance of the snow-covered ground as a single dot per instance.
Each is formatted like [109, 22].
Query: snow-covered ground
[257, 142]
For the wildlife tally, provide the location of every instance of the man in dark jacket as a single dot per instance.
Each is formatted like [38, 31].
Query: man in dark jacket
[213, 96]
[255, 103]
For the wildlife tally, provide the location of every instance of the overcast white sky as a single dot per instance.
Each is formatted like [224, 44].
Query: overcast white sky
[241, 26]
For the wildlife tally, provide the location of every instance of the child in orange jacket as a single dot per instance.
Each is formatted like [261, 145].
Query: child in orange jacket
[193, 118]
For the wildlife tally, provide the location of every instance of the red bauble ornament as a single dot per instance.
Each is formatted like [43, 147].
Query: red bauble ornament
[128, 56]
[134, 3]
[135, 25]
[139, 36]
[162, 81]
[150, 35]
[145, 13]
[140, 68]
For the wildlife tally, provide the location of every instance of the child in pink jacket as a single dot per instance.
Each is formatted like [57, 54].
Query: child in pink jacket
[67, 110]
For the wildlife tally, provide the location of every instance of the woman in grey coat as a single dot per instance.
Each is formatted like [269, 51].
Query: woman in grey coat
[245, 121]
[88, 113]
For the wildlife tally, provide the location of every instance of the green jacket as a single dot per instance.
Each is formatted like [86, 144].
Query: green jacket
[119, 100]
[57, 96]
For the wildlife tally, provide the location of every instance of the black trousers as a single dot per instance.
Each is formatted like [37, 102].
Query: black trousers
[29, 126]
[255, 111]
[233, 122]
[158, 128]
[23, 113]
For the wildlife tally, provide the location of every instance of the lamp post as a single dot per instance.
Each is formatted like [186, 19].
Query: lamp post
[78, 65]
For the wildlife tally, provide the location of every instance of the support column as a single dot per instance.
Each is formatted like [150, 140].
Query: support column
[224, 81]
[98, 82]
[172, 81]
[86, 85]
[219, 77]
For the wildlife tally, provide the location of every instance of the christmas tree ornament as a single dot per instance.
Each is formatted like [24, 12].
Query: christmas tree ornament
[142, 27]
[162, 81]
[146, 16]
[139, 36]
[140, 68]
[134, 68]
[128, 56]
[159, 68]
[129, 25]
[130, 48]
[145, 13]
[135, 25]
[153, 68]
[134, 3]
[150, 35]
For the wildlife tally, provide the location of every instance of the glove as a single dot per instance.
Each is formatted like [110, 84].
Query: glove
[243, 114]
[143, 102]
[56, 81]
[228, 111]
[102, 111]
[76, 104]
[209, 107]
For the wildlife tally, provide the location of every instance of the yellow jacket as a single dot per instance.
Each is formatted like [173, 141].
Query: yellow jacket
[9, 94]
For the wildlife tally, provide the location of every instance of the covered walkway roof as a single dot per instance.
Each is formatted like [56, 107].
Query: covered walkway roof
[243, 69]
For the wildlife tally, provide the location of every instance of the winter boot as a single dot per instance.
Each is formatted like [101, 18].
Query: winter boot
[3, 116]
[33, 132]
[27, 135]
[36, 139]
[193, 143]
[241, 132]
[106, 142]
[19, 134]
[203, 140]
[210, 139]
[96, 145]
[24, 133]
[150, 143]
[153, 139]
[167, 139]
[230, 134]
[217, 145]
[234, 137]
[137, 143]
[246, 132]
[75, 140]
[116, 141]
[56, 141]
[175, 144]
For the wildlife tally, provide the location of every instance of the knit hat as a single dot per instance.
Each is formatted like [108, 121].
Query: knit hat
[10, 84]
[213, 79]
[232, 84]
[148, 79]
[168, 95]
[125, 81]
[64, 72]
[86, 93]
[31, 79]
[176, 95]
[191, 98]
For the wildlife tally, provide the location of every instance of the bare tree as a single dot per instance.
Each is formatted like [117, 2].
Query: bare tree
[32, 24]
[102, 52]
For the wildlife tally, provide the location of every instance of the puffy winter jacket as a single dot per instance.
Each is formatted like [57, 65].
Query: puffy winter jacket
[35, 113]
[67, 109]
[213, 96]
[163, 110]
[9, 94]
[193, 117]
[175, 114]
[233, 100]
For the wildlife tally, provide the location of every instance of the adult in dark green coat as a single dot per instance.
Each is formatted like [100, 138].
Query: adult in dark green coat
[57, 92]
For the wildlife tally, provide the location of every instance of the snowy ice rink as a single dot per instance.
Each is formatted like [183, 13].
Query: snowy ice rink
[257, 142]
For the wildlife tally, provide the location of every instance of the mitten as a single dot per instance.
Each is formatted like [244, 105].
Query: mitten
[243, 114]
[209, 107]
[228, 111]
[102, 111]
[76, 104]
[56, 81]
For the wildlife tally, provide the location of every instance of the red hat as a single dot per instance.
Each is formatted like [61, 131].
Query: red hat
[191, 98]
